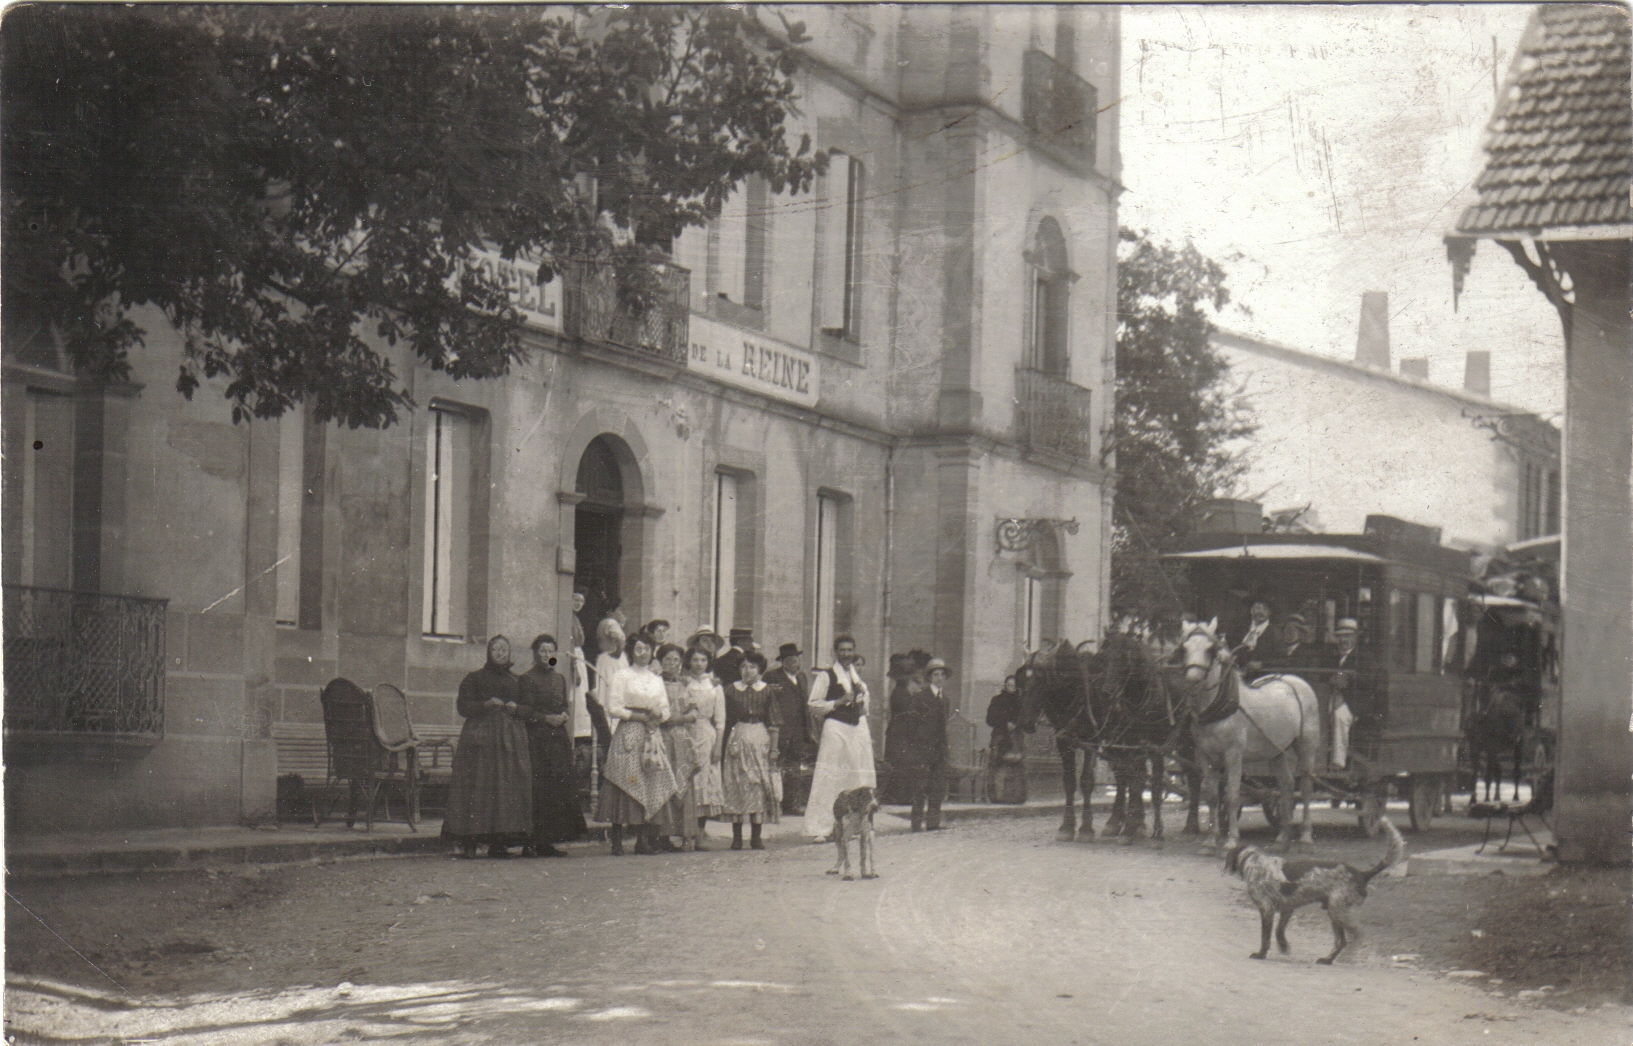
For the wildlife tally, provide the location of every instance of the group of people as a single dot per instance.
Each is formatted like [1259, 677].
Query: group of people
[1342, 666]
[676, 736]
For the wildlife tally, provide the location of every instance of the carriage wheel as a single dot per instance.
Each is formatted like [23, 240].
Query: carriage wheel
[1423, 795]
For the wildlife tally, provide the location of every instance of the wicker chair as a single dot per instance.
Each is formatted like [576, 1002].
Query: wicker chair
[372, 746]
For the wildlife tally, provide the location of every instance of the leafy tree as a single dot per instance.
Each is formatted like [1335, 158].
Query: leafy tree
[290, 183]
[1175, 414]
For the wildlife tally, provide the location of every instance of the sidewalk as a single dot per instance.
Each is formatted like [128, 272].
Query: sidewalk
[178, 849]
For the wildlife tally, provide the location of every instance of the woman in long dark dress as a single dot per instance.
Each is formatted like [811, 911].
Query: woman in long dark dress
[546, 709]
[490, 799]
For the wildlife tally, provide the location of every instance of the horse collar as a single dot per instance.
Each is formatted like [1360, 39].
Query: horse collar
[1226, 700]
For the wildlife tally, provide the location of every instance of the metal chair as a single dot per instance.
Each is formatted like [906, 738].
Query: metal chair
[371, 745]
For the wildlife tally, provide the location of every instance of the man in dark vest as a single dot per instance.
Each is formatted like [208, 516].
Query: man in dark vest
[797, 751]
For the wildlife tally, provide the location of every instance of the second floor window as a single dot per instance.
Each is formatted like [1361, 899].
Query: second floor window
[841, 257]
[739, 245]
[1049, 301]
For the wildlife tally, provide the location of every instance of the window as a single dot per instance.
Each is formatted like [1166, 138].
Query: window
[40, 494]
[826, 555]
[1032, 630]
[1427, 620]
[450, 495]
[291, 487]
[841, 257]
[724, 603]
[299, 566]
[739, 245]
[1049, 296]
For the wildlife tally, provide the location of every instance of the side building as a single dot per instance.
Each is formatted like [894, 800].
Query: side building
[876, 408]
[1338, 440]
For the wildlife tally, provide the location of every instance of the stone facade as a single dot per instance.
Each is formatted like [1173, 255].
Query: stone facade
[863, 384]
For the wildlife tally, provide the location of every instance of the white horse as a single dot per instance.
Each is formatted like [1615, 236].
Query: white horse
[1278, 718]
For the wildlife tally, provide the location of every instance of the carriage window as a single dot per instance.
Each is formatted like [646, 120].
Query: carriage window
[1448, 644]
[1426, 645]
[1402, 629]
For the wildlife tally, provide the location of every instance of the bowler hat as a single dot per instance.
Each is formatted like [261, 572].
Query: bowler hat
[935, 663]
[789, 650]
[1346, 624]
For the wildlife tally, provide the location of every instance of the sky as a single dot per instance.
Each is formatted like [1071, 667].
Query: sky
[1319, 152]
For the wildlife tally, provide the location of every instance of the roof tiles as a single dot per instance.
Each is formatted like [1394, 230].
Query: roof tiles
[1559, 151]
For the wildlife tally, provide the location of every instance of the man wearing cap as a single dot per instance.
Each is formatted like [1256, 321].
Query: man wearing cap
[1296, 651]
[921, 748]
[796, 752]
[728, 666]
[1347, 687]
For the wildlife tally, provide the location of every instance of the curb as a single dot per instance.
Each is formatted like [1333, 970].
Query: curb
[37, 859]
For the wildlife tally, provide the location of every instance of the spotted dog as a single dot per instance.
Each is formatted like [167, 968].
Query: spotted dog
[1279, 886]
[853, 819]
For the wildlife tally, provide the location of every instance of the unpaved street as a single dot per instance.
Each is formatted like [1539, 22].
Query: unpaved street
[985, 933]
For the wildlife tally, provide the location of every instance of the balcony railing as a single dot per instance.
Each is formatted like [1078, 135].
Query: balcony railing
[81, 663]
[1059, 107]
[595, 314]
[1053, 414]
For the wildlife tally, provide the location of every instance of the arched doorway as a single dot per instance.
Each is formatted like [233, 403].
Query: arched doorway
[598, 528]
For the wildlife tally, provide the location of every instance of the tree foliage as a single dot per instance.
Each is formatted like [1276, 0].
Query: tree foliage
[295, 185]
[1175, 413]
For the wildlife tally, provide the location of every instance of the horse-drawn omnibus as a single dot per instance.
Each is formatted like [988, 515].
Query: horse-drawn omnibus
[1407, 595]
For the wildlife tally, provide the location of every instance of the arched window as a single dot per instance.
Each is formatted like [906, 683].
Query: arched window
[1049, 298]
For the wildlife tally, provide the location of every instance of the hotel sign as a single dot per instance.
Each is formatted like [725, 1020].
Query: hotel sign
[752, 361]
[539, 304]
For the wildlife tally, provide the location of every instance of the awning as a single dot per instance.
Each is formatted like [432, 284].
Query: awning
[1239, 552]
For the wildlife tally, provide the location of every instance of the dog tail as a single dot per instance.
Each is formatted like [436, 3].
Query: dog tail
[1392, 856]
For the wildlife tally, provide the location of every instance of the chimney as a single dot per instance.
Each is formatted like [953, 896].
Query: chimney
[1415, 367]
[1372, 347]
[1477, 373]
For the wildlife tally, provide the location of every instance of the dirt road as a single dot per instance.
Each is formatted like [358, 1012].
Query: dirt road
[983, 933]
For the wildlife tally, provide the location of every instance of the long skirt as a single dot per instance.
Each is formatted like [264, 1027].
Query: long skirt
[557, 815]
[708, 794]
[746, 776]
[844, 761]
[681, 810]
[631, 791]
[490, 796]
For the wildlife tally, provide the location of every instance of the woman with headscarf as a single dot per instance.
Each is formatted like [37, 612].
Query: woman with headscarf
[639, 779]
[490, 797]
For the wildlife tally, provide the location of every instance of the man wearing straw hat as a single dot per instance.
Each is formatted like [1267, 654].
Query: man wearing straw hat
[922, 722]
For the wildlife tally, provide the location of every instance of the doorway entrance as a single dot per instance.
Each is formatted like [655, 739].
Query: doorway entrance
[598, 531]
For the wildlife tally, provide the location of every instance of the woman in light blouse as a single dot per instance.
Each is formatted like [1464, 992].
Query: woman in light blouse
[639, 779]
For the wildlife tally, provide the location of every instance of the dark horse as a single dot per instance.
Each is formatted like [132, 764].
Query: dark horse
[1496, 729]
[1113, 705]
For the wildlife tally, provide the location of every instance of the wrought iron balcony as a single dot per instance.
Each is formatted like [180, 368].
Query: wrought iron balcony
[84, 664]
[1058, 106]
[1053, 414]
[595, 314]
